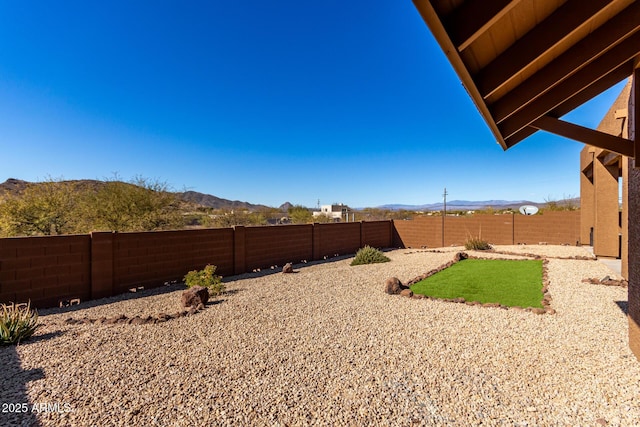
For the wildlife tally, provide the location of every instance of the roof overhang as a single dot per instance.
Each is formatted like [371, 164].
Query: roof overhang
[527, 63]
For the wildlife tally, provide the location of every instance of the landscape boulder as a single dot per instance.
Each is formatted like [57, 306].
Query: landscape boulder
[195, 296]
[406, 293]
[137, 321]
[288, 268]
[394, 286]
[461, 256]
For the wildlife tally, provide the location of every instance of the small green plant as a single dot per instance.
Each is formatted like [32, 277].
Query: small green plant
[206, 278]
[477, 244]
[17, 322]
[369, 255]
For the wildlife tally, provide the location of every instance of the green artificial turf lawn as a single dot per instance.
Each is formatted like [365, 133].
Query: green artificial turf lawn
[510, 283]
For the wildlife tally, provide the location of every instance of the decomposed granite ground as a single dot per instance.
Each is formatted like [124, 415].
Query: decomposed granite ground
[326, 346]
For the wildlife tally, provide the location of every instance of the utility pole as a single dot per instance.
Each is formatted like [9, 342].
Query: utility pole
[444, 213]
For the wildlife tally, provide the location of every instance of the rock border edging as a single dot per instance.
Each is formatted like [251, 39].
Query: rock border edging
[546, 296]
[607, 281]
[136, 320]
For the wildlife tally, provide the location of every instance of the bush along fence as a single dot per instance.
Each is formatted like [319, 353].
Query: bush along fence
[54, 269]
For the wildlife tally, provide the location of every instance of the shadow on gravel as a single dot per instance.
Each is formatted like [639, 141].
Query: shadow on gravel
[232, 292]
[277, 269]
[43, 337]
[16, 407]
[624, 306]
[173, 287]
[142, 293]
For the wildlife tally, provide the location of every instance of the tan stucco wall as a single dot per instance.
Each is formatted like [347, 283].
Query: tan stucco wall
[587, 195]
[599, 202]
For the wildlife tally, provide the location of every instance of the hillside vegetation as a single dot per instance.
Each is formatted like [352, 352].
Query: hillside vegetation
[72, 207]
[55, 207]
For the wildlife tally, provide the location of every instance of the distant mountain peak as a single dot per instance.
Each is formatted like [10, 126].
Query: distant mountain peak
[285, 206]
[13, 185]
[463, 205]
[209, 201]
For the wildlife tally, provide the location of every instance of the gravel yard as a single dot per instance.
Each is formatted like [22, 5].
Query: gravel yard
[326, 346]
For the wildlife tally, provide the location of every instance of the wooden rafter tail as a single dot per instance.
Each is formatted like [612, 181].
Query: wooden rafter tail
[588, 136]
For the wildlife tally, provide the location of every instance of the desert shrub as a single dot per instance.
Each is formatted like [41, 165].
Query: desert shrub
[477, 243]
[17, 322]
[206, 278]
[138, 205]
[229, 217]
[300, 215]
[369, 255]
[42, 209]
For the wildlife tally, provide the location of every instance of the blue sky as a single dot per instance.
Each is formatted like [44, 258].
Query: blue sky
[260, 101]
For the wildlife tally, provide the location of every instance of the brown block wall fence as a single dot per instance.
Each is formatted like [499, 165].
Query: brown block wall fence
[554, 228]
[153, 258]
[267, 246]
[47, 270]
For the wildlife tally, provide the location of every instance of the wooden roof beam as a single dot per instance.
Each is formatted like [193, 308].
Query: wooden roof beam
[466, 23]
[588, 136]
[621, 55]
[574, 102]
[566, 19]
[596, 43]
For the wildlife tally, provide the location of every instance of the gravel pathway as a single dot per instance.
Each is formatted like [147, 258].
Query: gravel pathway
[326, 346]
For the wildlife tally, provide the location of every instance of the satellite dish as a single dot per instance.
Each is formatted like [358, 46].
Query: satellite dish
[528, 210]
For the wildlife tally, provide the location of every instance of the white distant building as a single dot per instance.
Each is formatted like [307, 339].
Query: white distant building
[337, 212]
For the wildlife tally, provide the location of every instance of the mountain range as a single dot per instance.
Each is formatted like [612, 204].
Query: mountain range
[214, 202]
[464, 205]
[16, 186]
